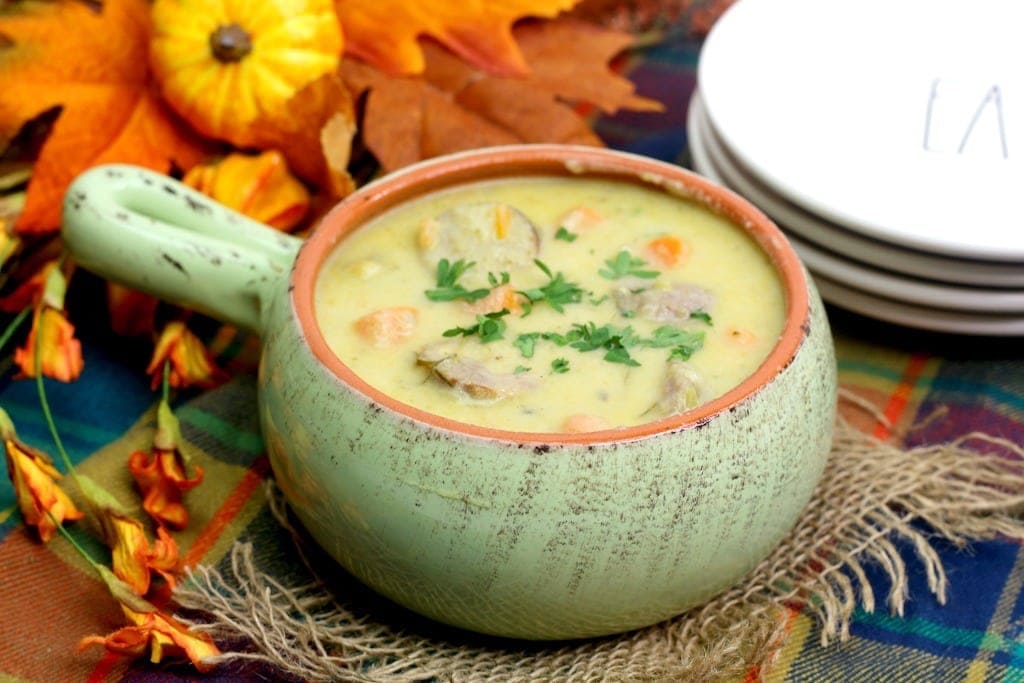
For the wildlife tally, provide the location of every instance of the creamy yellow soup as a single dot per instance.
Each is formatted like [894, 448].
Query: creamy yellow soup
[550, 304]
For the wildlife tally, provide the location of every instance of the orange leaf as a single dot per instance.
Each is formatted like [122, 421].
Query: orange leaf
[385, 32]
[454, 107]
[316, 135]
[93, 65]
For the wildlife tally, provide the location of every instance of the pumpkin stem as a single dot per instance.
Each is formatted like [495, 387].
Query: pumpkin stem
[230, 43]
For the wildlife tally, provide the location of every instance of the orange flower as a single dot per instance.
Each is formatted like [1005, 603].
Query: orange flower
[42, 502]
[260, 186]
[191, 364]
[133, 558]
[163, 635]
[161, 475]
[60, 353]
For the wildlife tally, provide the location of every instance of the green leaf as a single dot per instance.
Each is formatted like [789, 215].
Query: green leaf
[692, 343]
[560, 366]
[557, 292]
[624, 265]
[565, 235]
[489, 327]
[448, 289]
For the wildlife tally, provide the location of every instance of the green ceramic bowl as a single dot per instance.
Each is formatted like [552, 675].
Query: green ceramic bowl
[540, 536]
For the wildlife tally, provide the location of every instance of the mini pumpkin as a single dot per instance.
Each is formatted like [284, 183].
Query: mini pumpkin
[224, 65]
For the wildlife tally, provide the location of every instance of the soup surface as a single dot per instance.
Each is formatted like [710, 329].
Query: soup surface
[550, 304]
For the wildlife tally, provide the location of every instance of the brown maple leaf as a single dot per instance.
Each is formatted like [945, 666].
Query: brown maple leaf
[454, 107]
[93, 65]
[385, 32]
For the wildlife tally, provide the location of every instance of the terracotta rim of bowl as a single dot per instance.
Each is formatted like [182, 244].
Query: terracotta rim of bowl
[565, 160]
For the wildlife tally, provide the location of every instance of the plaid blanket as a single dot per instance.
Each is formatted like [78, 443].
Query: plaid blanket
[931, 387]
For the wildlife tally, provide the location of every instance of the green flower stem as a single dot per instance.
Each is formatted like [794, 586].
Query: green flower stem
[75, 544]
[13, 326]
[166, 388]
[48, 414]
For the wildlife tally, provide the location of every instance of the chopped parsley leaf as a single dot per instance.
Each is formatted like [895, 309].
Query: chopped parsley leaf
[563, 234]
[448, 288]
[560, 365]
[589, 337]
[495, 282]
[688, 346]
[488, 327]
[702, 315]
[520, 369]
[625, 264]
[557, 292]
[526, 343]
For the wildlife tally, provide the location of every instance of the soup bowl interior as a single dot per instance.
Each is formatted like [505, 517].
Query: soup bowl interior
[545, 535]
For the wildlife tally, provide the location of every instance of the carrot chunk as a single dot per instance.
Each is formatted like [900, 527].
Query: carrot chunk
[502, 297]
[388, 327]
[668, 251]
[580, 219]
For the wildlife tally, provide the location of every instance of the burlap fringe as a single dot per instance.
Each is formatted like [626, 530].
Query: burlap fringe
[872, 496]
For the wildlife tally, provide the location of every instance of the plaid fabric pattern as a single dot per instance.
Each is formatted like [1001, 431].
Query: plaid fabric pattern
[50, 599]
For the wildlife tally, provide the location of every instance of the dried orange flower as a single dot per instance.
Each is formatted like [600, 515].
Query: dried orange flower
[161, 475]
[132, 557]
[60, 354]
[161, 634]
[191, 364]
[259, 186]
[42, 502]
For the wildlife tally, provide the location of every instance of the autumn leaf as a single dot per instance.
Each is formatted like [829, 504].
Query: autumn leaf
[92, 64]
[385, 32]
[316, 136]
[455, 107]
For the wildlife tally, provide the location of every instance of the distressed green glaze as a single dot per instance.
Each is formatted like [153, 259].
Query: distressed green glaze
[519, 537]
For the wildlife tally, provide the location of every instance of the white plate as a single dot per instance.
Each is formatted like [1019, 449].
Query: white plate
[706, 145]
[917, 316]
[901, 120]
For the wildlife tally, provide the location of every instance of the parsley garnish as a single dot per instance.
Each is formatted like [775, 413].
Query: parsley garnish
[495, 281]
[624, 264]
[560, 365]
[488, 327]
[520, 369]
[557, 292]
[692, 343]
[590, 337]
[526, 343]
[448, 288]
[702, 315]
[563, 234]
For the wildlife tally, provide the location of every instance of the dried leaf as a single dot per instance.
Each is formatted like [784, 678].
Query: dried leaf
[93, 64]
[385, 32]
[316, 136]
[454, 107]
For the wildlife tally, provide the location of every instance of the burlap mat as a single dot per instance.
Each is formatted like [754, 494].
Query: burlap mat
[874, 502]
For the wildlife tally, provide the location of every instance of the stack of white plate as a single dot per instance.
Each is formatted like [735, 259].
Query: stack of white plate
[887, 139]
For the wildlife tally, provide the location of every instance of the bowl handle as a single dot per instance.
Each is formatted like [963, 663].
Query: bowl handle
[150, 232]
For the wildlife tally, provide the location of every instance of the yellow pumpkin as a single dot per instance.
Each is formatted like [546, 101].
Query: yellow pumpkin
[224, 64]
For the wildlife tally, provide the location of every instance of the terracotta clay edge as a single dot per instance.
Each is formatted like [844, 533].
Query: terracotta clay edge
[539, 159]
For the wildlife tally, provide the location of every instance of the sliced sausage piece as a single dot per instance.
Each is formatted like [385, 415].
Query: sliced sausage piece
[495, 236]
[672, 304]
[680, 392]
[470, 375]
